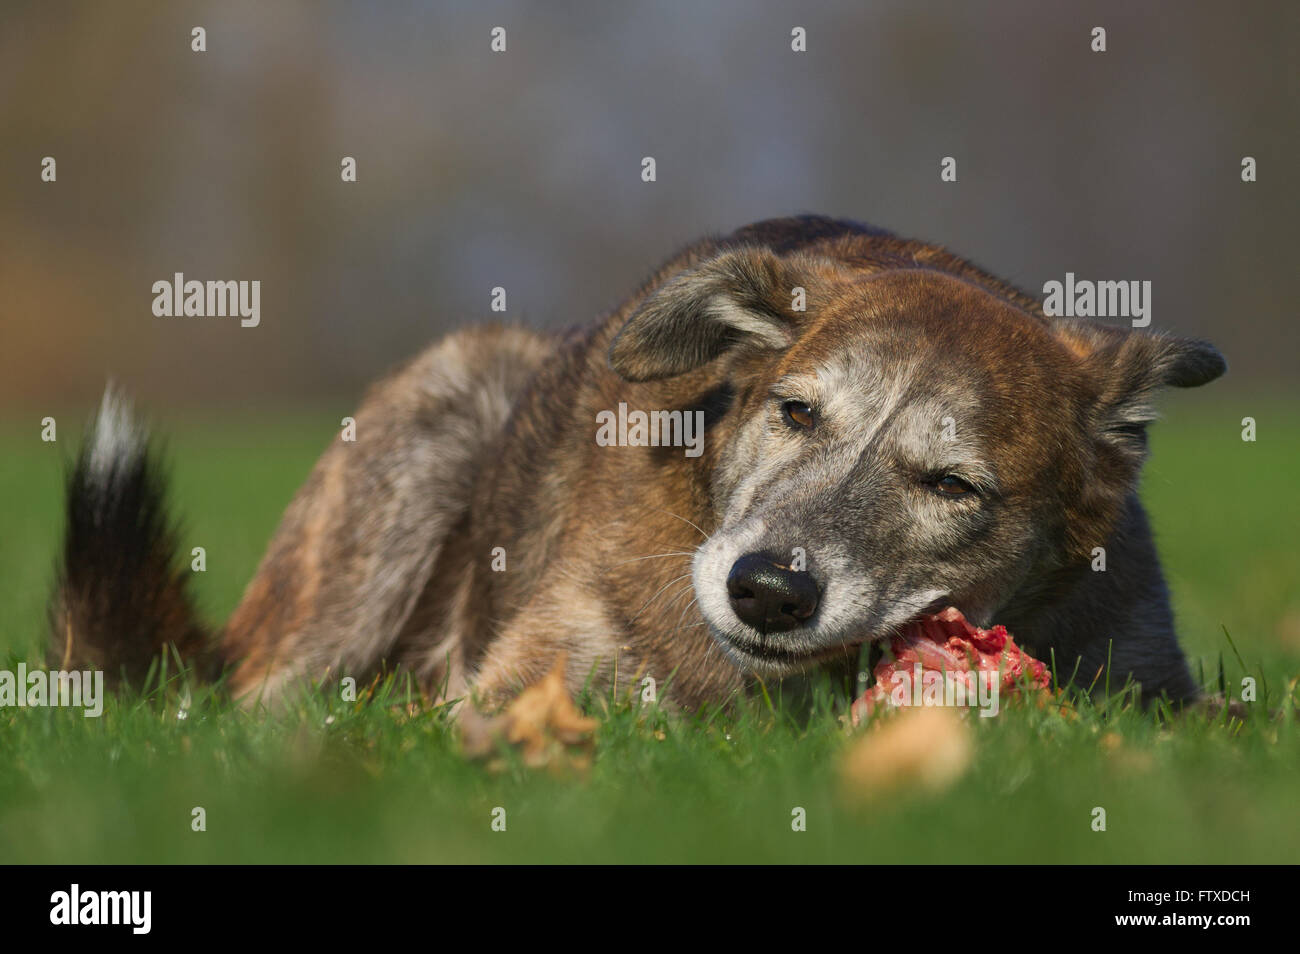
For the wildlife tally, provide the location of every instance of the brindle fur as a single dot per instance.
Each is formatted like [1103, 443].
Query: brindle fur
[614, 554]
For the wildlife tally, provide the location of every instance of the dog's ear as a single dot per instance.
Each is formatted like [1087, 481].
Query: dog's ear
[1127, 368]
[741, 298]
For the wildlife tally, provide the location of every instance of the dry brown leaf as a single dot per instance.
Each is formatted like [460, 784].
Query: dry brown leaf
[1288, 628]
[542, 723]
[925, 746]
[1120, 755]
[1134, 762]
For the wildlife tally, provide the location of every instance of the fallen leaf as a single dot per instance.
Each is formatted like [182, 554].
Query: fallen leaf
[928, 747]
[1288, 628]
[542, 723]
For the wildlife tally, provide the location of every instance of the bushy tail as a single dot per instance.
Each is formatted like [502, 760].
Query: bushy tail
[120, 600]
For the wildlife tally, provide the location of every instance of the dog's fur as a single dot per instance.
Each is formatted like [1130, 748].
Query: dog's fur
[918, 366]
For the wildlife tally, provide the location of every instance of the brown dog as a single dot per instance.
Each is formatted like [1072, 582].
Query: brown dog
[789, 442]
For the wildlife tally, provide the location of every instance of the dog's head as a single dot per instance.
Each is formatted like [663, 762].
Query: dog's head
[910, 440]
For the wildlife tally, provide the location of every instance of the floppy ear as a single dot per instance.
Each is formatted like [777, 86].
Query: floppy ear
[1128, 367]
[741, 298]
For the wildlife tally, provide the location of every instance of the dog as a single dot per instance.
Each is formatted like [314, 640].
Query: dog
[885, 431]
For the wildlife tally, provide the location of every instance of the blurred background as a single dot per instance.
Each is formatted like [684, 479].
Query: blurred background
[522, 169]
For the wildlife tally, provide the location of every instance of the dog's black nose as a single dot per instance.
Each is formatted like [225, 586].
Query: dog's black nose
[770, 597]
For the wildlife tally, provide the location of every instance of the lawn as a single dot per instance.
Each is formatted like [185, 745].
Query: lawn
[375, 781]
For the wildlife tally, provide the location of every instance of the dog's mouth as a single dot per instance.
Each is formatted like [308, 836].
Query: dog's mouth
[767, 652]
[773, 655]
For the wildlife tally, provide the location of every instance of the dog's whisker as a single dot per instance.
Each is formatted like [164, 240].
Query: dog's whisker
[681, 629]
[677, 579]
[684, 520]
[653, 556]
[680, 593]
[682, 615]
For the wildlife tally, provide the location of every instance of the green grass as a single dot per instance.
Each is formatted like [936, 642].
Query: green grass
[367, 782]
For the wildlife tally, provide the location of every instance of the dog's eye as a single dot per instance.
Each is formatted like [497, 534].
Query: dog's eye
[952, 486]
[798, 415]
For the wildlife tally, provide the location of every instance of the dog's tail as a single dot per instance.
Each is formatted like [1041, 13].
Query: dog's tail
[120, 599]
